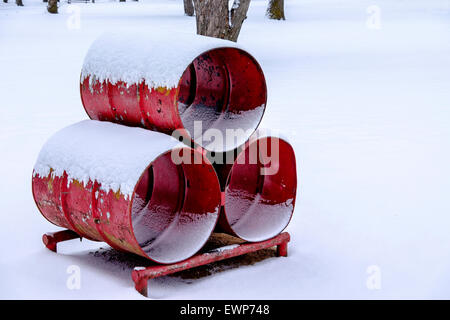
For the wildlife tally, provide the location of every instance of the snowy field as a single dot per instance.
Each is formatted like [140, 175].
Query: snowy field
[367, 107]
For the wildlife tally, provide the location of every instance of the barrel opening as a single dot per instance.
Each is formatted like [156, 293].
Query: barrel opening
[260, 194]
[223, 88]
[172, 215]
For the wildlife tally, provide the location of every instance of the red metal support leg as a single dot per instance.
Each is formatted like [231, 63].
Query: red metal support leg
[140, 283]
[282, 249]
[51, 239]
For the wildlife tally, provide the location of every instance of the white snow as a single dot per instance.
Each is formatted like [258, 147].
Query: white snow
[263, 132]
[159, 58]
[224, 248]
[139, 268]
[113, 155]
[367, 111]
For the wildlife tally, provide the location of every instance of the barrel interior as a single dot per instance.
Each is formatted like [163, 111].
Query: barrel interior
[261, 190]
[223, 89]
[174, 212]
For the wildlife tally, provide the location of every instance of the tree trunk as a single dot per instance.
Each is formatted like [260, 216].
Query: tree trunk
[275, 10]
[188, 8]
[215, 19]
[19, 3]
[5, 1]
[52, 6]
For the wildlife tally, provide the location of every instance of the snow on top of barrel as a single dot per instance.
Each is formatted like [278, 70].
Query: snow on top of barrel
[159, 59]
[112, 154]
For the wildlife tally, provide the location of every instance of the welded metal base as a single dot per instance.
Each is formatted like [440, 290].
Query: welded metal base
[141, 275]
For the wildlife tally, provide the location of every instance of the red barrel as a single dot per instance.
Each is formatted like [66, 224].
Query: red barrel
[121, 185]
[259, 188]
[164, 84]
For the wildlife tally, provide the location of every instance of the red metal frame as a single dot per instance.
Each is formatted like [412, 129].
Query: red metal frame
[141, 276]
[51, 239]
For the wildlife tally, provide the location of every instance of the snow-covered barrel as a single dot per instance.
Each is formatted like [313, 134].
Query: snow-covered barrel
[164, 82]
[259, 184]
[127, 187]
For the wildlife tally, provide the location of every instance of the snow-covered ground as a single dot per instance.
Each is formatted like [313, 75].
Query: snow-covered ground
[368, 111]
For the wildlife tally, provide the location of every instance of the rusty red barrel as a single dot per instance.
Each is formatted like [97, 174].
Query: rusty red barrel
[127, 187]
[175, 81]
[259, 183]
